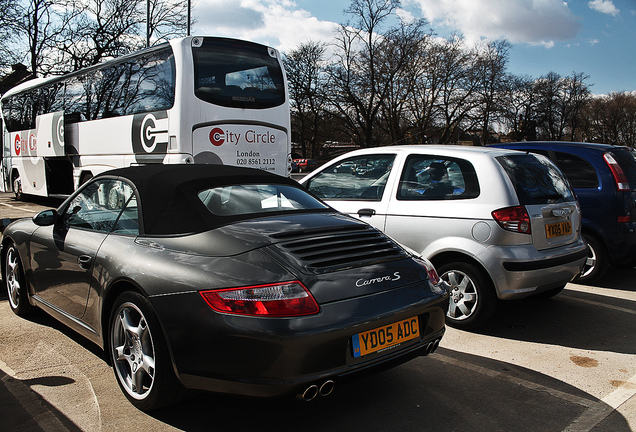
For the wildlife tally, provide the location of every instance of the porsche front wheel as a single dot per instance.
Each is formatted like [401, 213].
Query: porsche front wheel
[139, 354]
[15, 283]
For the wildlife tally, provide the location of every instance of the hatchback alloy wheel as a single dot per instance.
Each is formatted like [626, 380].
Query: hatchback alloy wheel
[463, 299]
[472, 297]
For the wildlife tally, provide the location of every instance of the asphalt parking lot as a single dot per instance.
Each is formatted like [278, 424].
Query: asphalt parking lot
[564, 364]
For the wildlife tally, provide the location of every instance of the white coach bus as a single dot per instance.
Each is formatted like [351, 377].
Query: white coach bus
[191, 100]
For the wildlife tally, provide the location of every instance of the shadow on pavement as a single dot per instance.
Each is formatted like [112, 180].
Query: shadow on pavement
[466, 402]
[22, 409]
[572, 319]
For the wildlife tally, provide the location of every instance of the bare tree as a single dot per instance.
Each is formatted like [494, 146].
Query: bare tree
[358, 93]
[103, 28]
[400, 61]
[559, 100]
[8, 15]
[39, 27]
[168, 19]
[519, 108]
[491, 80]
[610, 119]
[457, 89]
[305, 71]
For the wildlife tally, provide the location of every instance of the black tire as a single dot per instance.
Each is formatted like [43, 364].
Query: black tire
[139, 354]
[473, 299]
[17, 188]
[15, 283]
[597, 261]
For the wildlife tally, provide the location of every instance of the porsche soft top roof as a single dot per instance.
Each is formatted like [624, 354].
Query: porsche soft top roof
[168, 194]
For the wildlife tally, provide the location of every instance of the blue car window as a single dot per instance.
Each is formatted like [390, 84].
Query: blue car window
[579, 172]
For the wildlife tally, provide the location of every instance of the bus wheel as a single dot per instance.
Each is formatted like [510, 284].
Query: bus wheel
[17, 188]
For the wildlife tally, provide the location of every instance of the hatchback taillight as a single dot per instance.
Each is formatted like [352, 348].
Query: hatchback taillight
[622, 184]
[513, 219]
[276, 300]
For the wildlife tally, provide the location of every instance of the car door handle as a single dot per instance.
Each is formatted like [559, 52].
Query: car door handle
[366, 212]
[84, 261]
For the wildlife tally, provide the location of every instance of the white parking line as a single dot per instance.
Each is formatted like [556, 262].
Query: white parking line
[603, 408]
[18, 208]
[30, 402]
[596, 411]
[605, 305]
[518, 381]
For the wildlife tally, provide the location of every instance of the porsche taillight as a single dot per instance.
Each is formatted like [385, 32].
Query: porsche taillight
[286, 299]
[433, 277]
[513, 219]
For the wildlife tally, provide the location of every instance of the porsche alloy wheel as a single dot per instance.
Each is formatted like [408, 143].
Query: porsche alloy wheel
[139, 355]
[472, 299]
[15, 284]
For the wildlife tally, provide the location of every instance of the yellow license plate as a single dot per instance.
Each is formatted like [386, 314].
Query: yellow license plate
[558, 229]
[384, 337]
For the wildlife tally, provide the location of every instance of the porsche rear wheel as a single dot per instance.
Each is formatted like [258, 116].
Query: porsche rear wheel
[15, 283]
[139, 354]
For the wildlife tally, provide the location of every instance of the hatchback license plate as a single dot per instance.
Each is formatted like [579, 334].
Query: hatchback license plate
[384, 337]
[558, 229]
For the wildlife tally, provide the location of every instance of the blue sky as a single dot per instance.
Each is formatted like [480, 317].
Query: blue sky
[594, 37]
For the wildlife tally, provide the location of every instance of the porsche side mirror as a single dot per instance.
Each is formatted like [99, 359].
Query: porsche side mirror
[46, 218]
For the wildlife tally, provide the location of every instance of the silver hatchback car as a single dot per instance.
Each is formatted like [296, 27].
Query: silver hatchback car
[497, 224]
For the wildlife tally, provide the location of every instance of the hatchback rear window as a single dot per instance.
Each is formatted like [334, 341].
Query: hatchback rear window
[536, 180]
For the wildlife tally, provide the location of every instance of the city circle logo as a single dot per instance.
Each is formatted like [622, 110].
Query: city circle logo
[58, 129]
[17, 144]
[150, 137]
[217, 136]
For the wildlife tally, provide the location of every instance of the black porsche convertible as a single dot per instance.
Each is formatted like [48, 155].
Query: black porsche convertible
[222, 279]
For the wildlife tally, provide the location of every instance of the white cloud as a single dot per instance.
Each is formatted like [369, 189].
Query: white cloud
[604, 6]
[277, 23]
[539, 22]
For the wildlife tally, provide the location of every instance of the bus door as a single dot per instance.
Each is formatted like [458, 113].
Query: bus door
[50, 134]
[5, 157]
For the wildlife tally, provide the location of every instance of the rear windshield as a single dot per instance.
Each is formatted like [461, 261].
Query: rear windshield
[536, 179]
[252, 199]
[627, 160]
[238, 74]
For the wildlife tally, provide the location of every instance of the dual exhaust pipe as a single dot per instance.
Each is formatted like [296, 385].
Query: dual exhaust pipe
[313, 391]
[432, 346]
[326, 388]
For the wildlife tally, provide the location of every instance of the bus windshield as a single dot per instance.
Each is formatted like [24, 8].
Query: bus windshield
[237, 74]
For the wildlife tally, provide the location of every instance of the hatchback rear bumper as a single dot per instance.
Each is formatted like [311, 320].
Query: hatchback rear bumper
[523, 275]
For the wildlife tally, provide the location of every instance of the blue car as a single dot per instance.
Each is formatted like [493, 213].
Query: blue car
[604, 180]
